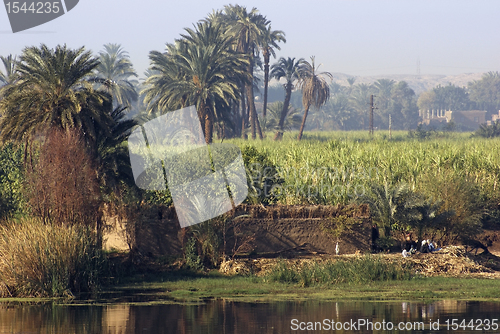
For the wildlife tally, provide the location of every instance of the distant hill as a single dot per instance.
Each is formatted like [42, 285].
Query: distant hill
[419, 83]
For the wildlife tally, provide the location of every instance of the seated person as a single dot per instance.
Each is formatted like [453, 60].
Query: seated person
[424, 248]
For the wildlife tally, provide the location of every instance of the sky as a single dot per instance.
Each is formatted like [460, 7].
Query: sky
[355, 37]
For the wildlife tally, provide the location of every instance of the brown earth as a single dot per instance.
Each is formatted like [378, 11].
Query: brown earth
[268, 231]
[294, 233]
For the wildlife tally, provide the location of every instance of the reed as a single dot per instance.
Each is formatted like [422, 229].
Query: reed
[46, 260]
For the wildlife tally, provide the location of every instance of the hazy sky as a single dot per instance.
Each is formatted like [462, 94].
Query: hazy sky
[357, 37]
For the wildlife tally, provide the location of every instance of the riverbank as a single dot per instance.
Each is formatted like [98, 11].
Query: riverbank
[179, 289]
[448, 274]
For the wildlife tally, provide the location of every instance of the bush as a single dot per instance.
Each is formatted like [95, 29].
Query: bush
[461, 196]
[11, 181]
[488, 131]
[47, 260]
[262, 176]
[63, 187]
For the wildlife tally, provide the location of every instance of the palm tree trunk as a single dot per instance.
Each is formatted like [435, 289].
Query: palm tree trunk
[209, 126]
[266, 81]
[243, 114]
[259, 129]
[303, 123]
[286, 104]
[251, 105]
[251, 111]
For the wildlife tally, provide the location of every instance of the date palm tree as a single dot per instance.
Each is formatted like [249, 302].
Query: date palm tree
[202, 69]
[115, 72]
[269, 43]
[52, 90]
[9, 63]
[315, 89]
[292, 120]
[248, 28]
[290, 70]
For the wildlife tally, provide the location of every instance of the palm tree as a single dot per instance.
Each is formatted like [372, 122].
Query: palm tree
[9, 63]
[292, 120]
[289, 69]
[315, 90]
[383, 89]
[247, 28]
[388, 204]
[360, 97]
[114, 73]
[112, 157]
[52, 90]
[201, 70]
[270, 39]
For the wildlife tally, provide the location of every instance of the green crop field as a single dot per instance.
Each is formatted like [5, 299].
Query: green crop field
[335, 167]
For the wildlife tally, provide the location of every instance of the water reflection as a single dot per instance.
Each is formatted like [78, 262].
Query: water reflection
[222, 316]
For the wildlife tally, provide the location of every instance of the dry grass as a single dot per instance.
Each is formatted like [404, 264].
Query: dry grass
[46, 260]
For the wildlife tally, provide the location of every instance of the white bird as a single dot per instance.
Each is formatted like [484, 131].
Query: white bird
[337, 248]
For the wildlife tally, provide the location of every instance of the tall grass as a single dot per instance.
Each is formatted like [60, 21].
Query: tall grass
[335, 167]
[357, 271]
[46, 260]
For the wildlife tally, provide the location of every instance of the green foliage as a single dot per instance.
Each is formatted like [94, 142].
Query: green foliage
[485, 93]
[389, 204]
[385, 243]
[361, 270]
[114, 75]
[461, 196]
[52, 90]
[193, 260]
[11, 181]
[488, 131]
[270, 123]
[45, 260]
[262, 176]
[448, 97]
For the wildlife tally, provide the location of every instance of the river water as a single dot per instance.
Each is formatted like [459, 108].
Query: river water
[220, 317]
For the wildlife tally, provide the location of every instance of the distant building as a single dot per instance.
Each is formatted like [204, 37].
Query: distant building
[466, 119]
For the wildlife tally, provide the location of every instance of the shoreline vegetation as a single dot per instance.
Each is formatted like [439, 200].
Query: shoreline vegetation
[285, 282]
[67, 115]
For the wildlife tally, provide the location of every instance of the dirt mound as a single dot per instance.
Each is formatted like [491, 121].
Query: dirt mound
[450, 261]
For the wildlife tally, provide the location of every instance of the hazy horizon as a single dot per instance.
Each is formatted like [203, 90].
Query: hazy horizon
[357, 38]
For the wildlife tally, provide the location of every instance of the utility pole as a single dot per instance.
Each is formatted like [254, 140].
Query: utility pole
[390, 126]
[372, 107]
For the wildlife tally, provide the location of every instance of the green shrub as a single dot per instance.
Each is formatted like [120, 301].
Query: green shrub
[356, 271]
[193, 260]
[262, 176]
[283, 274]
[11, 181]
[47, 260]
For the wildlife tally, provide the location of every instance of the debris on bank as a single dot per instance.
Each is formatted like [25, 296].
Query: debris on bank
[449, 261]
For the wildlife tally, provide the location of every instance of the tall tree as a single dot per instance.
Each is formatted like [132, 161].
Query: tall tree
[115, 71]
[359, 98]
[289, 69]
[202, 69]
[270, 39]
[448, 97]
[315, 89]
[248, 29]
[52, 90]
[485, 93]
[404, 106]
